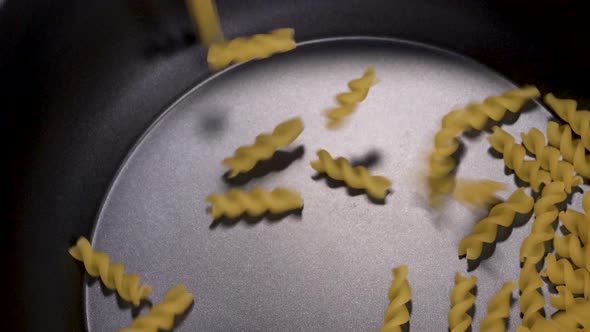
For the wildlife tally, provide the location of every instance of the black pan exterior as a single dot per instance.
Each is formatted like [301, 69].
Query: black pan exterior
[81, 81]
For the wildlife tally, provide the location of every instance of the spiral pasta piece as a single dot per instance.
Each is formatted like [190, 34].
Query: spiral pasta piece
[582, 161]
[579, 120]
[486, 230]
[256, 202]
[348, 101]
[477, 193]
[265, 145]
[461, 301]
[549, 157]
[400, 294]
[533, 246]
[564, 299]
[161, 317]
[570, 246]
[561, 137]
[527, 170]
[531, 301]
[441, 180]
[242, 49]
[498, 310]
[113, 275]
[576, 222]
[561, 272]
[357, 177]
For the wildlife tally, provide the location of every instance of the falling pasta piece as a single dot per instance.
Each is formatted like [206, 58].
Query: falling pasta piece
[486, 230]
[204, 13]
[244, 49]
[113, 275]
[498, 310]
[441, 179]
[265, 145]
[461, 302]
[579, 120]
[355, 177]
[256, 202]
[400, 294]
[531, 301]
[348, 101]
[477, 194]
[514, 158]
[161, 316]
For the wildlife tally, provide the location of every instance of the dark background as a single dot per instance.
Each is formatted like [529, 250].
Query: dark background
[81, 80]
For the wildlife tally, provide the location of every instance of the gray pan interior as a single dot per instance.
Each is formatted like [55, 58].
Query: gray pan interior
[330, 268]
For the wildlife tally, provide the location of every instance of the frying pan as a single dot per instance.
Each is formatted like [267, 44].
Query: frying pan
[82, 81]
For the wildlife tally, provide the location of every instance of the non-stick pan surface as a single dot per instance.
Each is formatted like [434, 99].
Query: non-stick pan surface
[83, 81]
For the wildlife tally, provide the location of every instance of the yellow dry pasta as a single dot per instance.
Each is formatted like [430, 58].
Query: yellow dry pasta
[486, 230]
[441, 180]
[560, 136]
[561, 272]
[582, 161]
[570, 246]
[564, 299]
[400, 294]
[549, 157]
[579, 120]
[161, 316]
[265, 145]
[461, 302]
[576, 222]
[531, 301]
[355, 177]
[113, 275]
[242, 49]
[204, 13]
[514, 158]
[477, 193]
[533, 247]
[498, 310]
[348, 101]
[256, 202]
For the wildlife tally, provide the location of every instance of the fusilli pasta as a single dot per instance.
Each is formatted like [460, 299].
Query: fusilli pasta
[533, 247]
[461, 301]
[348, 101]
[265, 145]
[561, 272]
[244, 49]
[564, 299]
[579, 120]
[236, 202]
[486, 230]
[355, 177]
[498, 310]
[531, 301]
[570, 246]
[477, 193]
[204, 13]
[561, 138]
[400, 294]
[161, 317]
[549, 157]
[440, 179]
[113, 275]
[576, 222]
[527, 170]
